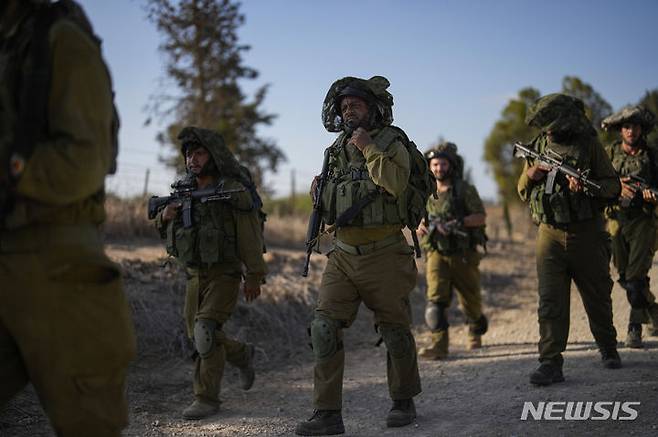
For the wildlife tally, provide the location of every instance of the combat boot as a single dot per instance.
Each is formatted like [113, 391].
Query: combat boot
[402, 413]
[653, 315]
[247, 373]
[438, 350]
[634, 336]
[199, 410]
[322, 422]
[610, 359]
[474, 341]
[546, 374]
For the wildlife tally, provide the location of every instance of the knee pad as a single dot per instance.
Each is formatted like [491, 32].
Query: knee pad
[324, 337]
[398, 339]
[635, 293]
[435, 317]
[479, 327]
[204, 336]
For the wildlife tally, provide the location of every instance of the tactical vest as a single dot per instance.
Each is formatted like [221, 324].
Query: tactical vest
[562, 206]
[642, 165]
[349, 183]
[451, 205]
[211, 240]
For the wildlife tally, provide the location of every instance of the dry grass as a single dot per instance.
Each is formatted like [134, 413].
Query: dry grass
[127, 218]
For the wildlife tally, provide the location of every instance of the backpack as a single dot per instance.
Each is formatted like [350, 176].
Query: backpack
[32, 119]
[247, 180]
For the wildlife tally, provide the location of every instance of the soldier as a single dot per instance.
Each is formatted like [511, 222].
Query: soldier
[632, 220]
[370, 169]
[450, 239]
[65, 324]
[225, 236]
[572, 243]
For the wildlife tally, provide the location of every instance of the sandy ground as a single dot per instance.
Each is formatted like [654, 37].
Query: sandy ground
[472, 393]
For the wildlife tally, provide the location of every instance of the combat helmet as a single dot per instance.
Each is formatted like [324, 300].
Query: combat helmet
[448, 150]
[372, 90]
[559, 113]
[222, 157]
[636, 114]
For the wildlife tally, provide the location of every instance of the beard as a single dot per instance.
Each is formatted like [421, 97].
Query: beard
[442, 176]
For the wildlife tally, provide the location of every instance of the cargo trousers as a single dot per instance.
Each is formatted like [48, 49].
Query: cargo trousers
[66, 327]
[383, 280]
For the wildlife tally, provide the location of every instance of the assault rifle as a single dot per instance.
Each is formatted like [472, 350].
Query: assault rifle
[184, 191]
[641, 184]
[452, 227]
[315, 221]
[556, 163]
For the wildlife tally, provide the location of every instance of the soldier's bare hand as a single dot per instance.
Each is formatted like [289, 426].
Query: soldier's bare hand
[575, 185]
[314, 187]
[422, 230]
[627, 190]
[170, 211]
[537, 172]
[649, 197]
[251, 293]
[360, 138]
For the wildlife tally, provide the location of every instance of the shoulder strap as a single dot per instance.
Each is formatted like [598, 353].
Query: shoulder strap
[387, 135]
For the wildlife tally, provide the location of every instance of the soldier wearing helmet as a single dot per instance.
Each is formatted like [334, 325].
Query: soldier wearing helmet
[454, 230]
[65, 324]
[221, 252]
[571, 241]
[632, 218]
[370, 169]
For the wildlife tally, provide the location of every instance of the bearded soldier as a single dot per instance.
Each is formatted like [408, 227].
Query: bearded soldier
[225, 238]
[367, 199]
[572, 243]
[632, 219]
[450, 239]
[65, 325]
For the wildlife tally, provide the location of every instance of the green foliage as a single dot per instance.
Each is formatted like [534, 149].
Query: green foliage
[650, 101]
[498, 146]
[203, 58]
[596, 107]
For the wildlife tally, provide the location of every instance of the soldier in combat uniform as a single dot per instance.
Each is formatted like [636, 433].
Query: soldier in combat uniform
[572, 243]
[225, 238]
[632, 219]
[450, 239]
[371, 262]
[65, 325]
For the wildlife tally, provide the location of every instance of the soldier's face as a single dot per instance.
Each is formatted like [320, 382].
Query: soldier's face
[440, 167]
[196, 159]
[630, 133]
[354, 110]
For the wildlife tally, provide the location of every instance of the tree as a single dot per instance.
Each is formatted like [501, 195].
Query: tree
[499, 144]
[650, 101]
[204, 60]
[596, 107]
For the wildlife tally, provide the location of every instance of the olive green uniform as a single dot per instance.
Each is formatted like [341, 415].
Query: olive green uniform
[371, 262]
[572, 244]
[65, 325]
[452, 261]
[633, 229]
[225, 236]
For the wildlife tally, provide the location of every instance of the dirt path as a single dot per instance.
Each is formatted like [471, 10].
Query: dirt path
[473, 393]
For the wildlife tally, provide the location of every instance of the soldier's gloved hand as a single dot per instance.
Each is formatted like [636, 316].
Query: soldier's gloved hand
[649, 197]
[537, 172]
[627, 190]
[170, 211]
[575, 185]
[360, 138]
[422, 230]
[251, 293]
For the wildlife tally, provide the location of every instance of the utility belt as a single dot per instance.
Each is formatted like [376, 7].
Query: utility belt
[365, 249]
[39, 237]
